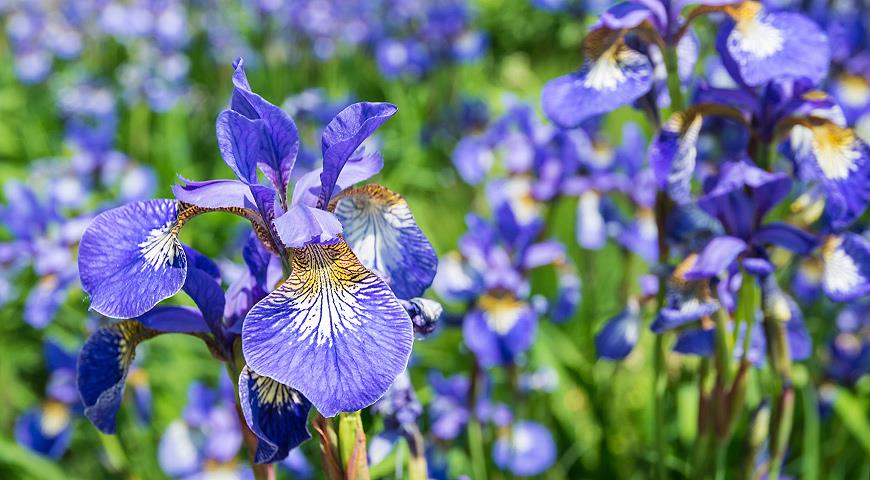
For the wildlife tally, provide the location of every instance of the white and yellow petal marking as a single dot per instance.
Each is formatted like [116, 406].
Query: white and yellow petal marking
[273, 393]
[382, 232]
[160, 247]
[854, 91]
[611, 69]
[55, 418]
[334, 331]
[275, 413]
[842, 274]
[836, 150]
[502, 313]
[754, 34]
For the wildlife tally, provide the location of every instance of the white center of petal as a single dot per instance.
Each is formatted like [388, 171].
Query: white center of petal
[841, 272]
[854, 91]
[55, 417]
[501, 313]
[523, 441]
[160, 247]
[757, 37]
[835, 151]
[605, 72]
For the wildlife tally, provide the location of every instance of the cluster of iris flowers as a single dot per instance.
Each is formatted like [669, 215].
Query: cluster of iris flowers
[741, 187]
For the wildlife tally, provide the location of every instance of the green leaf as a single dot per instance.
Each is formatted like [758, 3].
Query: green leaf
[18, 462]
[854, 416]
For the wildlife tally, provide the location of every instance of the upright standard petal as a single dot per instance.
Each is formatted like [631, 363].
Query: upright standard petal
[277, 414]
[334, 331]
[281, 134]
[615, 77]
[381, 231]
[343, 135]
[241, 141]
[846, 274]
[130, 258]
[762, 46]
[102, 370]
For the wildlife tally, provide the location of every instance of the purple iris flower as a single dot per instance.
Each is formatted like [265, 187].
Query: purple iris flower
[491, 275]
[527, 450]
[106, 358]
[825, 152]
[47, 429]
[758, 46]
[355, 253]
[741, 197]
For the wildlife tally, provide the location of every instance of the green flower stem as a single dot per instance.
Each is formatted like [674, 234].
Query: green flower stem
[660, 385]
[328, 447]
[780, 429]
[475, 429]
[675, 89]
[115, 455]
[475, 445]
[660, 382]
[352, 446]
[781, 422]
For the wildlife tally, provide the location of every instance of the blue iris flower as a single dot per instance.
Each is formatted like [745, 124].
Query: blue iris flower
[333, 335]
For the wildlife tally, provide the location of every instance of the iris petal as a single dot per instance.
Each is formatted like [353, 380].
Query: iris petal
[500, 330]
[619, 335]
[381, 231]
[343, 135]
[617, 77]
[46, 430]
[241, 142]
[846, 273]
[763, 46]
[302, 225]
[277, 414]
[528, 451]
[334, 331]
[719, 253]
[673, 154]
[102, 369]
[841, 163]
[281, 134]
[130, 258]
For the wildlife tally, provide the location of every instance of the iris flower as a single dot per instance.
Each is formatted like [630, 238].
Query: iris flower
[334, 333]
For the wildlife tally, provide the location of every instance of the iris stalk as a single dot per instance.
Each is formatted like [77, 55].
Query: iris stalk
[352, 446]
